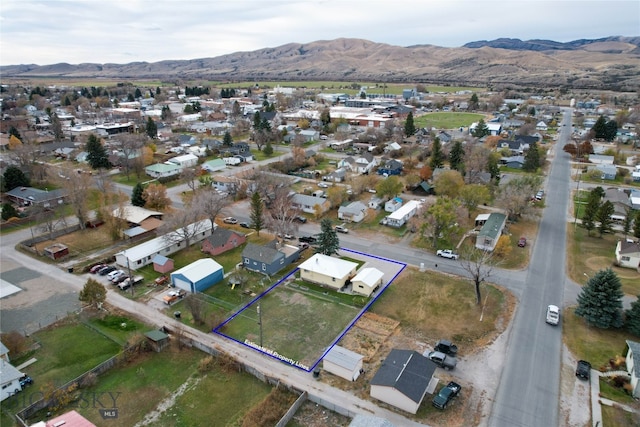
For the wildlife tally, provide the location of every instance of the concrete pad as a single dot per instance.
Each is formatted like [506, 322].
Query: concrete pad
[7, 288]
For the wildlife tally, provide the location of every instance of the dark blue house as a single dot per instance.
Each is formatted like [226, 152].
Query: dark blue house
[270, 258]
[390, 167]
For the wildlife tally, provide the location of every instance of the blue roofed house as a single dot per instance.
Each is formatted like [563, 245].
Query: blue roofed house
[487, 238]
[393, 204]
[198, 276]
[269, 258]
[390, 167]
[403, 380]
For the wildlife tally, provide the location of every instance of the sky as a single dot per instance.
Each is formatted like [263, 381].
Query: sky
[122, 31]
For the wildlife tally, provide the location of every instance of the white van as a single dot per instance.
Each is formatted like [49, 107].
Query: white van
[553, 315]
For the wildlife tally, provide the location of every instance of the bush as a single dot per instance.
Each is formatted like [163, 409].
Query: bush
[206, 364]
[15, 343]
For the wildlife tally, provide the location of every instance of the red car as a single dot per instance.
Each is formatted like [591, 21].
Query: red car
[522, 242]
[96, 267]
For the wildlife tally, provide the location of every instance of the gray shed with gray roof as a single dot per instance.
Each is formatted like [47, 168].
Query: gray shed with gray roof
[342, 362]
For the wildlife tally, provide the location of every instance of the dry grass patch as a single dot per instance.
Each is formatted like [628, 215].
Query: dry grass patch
[81, 241]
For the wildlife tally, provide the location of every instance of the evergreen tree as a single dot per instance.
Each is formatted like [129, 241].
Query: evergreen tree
[138, 93]
[481, 129]
[600, 301]
[268, 149]
[13, 131]
[532, 158]
[437, 156]
[603, 216]
[257, 208]
[8, 211]
[227, 140]
[610, 130]
[591, 211]
[93, 293]
[636, 225]
[456, 156]
[256, 121]
[600, 128]
[409, 126]
[14, 177]
[96, 153]
[137, 198]
[151, 128]
[473, 102]
[632, 317]
[493, 168]
[166, 113]
[328, 242]
[628, 222]
[56, 127]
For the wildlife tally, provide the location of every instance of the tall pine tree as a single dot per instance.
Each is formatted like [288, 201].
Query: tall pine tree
[600, 301]
[531, 158]
[603, 216]
[437, 156]
[632, 317]
[456, 156]
[409, 126]
[96, 153]
[137, 198]
[328, 242]
[257, 208]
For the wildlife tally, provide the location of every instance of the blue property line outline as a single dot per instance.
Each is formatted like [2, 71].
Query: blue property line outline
[285, 359]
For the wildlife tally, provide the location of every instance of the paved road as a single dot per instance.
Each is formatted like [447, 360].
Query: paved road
[528, 394]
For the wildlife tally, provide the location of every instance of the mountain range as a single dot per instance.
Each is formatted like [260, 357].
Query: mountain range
[607, 63]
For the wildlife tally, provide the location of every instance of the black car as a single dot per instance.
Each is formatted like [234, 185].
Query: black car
[245, 225]
[583, 370]
[448, 392]
[300, 219]
[108, 269]
[308, 239]
[446, 347]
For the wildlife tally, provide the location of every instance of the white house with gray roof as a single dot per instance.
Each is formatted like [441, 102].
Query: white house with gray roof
[342, 362]
[327, 271]
[632, 361]
[353, 212]
[491, 231]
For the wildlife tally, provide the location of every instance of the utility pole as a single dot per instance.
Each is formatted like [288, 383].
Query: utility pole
[260, 323]
[577, 202]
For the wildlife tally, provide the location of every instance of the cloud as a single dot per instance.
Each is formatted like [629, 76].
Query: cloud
[120, 31]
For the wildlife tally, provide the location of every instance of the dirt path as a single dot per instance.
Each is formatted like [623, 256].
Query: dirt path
[167, 403]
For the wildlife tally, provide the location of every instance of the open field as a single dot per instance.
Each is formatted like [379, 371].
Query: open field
[446, 120]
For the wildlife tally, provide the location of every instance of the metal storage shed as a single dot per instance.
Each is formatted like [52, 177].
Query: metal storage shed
[343, 363]
[198, 276]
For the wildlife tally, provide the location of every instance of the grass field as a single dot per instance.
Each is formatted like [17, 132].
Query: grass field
[446, 120]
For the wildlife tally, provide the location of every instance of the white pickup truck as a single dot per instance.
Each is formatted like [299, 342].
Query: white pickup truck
[447, 253]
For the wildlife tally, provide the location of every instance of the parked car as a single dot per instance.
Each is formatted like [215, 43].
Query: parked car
[442, 360]
[446, 394]
[25, 380]
[230, 220]
[300, 219]
[96, 268]
[522, 242]
[173, 296]
[446, 347]
[120, 279]
[323, 185]
[245, 225]
[161, 280]
[115, 274]
[553, 315]
[341, 229]
[447, 253]
[539, 195]
[583, 370]
[303, 246]
[125, 284]
[106, 270]
[307, 239]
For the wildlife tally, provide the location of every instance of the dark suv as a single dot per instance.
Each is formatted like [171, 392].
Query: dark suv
[583, 370]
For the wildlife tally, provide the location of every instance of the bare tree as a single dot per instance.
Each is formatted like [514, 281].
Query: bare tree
[190, 176]
[77, 187]
[514, 196]
[49, 219]
[476, 161]
[183, 225]
[479, 264]
[208, 202]
[130, 148]
[282, 211]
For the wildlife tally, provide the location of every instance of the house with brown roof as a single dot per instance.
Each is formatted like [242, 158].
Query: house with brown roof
[222, 240]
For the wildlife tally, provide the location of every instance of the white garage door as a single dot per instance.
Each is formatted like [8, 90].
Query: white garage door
[182, 284]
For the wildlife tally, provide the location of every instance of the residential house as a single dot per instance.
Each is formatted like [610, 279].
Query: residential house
[444, 137]
[390, 167]
[338, 175]
[517, 147]
[9, 380]
[400, 217]
[541, 126]
[343, 363]
[187, 140]
[184, 161]
[348, 163]
[144, 253]
[327, 271]
[514, 162]
[632, 362]
[310, 135]
[353, 212]
[367, 281]
[68, 419]
[494, 128]
[634, 199]
[365, 163]
[609, 172]
[393, 204]
[403, 379]
[269, 258]
[599, 159]
[198, 276]
[393, 146]
[222, 240]
[140, 221]
[487, 238]
[163, 170]
[162, 264]
[214, 165]
[29, 196]
[310, 204]
[375, 202]
[4, 352]
[620, 201]
[628, 255]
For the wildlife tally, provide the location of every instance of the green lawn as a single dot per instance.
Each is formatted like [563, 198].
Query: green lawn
[618, 417]
[447, 120]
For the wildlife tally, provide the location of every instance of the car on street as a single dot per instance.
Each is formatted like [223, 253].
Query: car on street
[522, 242]
[323, 185]
[446, 347]
[553, 315]
[446, 394]
[230, 220]
[245, 225]
[341, 229]
[583, 370]
[442, 360]
[447, 253]
[307, 239]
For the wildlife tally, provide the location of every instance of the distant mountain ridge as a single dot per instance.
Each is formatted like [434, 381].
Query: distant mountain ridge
[606, 63]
